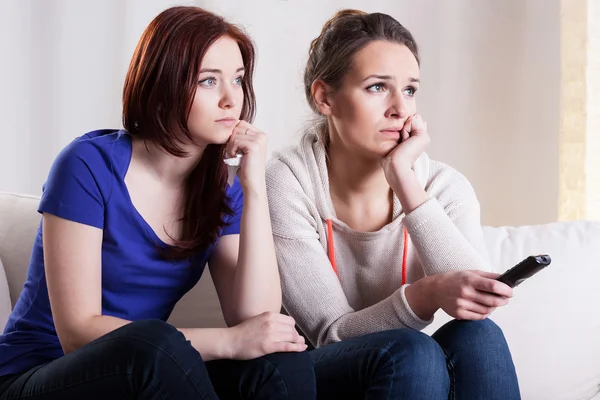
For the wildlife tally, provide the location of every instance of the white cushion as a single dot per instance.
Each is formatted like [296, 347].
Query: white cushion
[552, 324]
[5, 305]
[19, 221]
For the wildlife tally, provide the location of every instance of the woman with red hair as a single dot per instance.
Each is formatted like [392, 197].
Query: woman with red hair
[129, 220]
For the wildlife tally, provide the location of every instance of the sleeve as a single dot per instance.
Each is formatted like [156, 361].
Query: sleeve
[312, 293]
[446, 229]
[78, 185]
[236, 202]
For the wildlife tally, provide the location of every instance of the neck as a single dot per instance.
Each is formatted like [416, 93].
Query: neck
[356, 179]
[166, 167]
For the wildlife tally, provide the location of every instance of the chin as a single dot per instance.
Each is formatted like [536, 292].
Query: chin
[385, 148]
[214, 137]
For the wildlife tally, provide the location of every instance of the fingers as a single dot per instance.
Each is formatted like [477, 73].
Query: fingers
[405, 132]
[281, 335]
[417, 124]
[485, 274]
[279, 318]
[469, 315]
[283, 347]
[291, 336]
[491, 285]
[243, 125]
[245, 139]
[484, 290]
[243, 130]
[487, 299]
[475, 307]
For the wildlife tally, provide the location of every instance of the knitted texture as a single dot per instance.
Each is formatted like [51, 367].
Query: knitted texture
[367, 296]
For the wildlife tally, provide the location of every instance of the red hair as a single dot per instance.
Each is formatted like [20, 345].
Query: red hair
[158, 93]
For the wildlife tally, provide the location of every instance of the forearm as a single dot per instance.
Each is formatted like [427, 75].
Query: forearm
[390, 313]
[409, 191]
[256, 287]
[443, 238]
[440, 244]
[211, 343]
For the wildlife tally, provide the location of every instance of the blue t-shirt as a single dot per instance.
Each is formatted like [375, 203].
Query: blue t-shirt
[86, 185]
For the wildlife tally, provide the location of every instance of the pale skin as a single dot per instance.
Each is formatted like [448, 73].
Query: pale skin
[243, 267]
[367, 116]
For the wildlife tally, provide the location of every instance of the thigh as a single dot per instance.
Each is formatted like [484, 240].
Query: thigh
[49, 382]
[273, 376]
[399, 363]
[142, 360]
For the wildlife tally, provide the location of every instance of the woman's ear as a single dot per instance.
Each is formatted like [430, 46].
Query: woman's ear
[321, 96]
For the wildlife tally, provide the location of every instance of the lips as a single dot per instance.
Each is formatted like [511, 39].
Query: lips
[391, 133]
[227, 121]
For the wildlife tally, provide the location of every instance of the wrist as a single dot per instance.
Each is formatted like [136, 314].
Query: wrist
[422, 297]
[230, 348]
[257, 190]
[400, 177]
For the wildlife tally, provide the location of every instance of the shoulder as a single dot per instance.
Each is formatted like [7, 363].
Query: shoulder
[288, 162]
[294, 162]
[291, 194]
[93, 150]
[81, 179]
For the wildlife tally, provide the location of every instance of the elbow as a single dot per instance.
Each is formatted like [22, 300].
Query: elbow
[73, 334]
[325, 335]
[70, 342]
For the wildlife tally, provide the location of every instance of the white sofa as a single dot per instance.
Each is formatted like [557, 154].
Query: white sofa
[552, 324]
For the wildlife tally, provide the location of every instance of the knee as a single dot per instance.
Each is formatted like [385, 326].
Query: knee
[147, 337]
[473, 332]
[485, 329]
[473, 338]
[411, 354]
[150, 330]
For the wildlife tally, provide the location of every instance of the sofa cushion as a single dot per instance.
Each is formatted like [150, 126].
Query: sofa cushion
[5, 304]
[19, 221]
[552, 323]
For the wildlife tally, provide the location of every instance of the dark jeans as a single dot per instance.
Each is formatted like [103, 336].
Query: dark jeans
[463, 360]
[152, 360]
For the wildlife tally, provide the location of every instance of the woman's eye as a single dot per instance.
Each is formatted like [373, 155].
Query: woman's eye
[410, 91]
[208, 82]
[239, 80]
[378, 87]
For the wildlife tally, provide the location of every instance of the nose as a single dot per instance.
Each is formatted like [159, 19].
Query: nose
[397, 107]
[227, 100]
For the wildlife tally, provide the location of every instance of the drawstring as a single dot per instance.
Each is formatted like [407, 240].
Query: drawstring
[331, 250]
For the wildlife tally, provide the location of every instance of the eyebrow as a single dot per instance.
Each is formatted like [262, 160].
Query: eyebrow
[388, 77]
[218, 71]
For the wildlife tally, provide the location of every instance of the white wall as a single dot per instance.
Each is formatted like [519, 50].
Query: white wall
[490, 91]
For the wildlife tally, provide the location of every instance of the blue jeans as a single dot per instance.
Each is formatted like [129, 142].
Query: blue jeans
[462, 360]
[153, 360]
